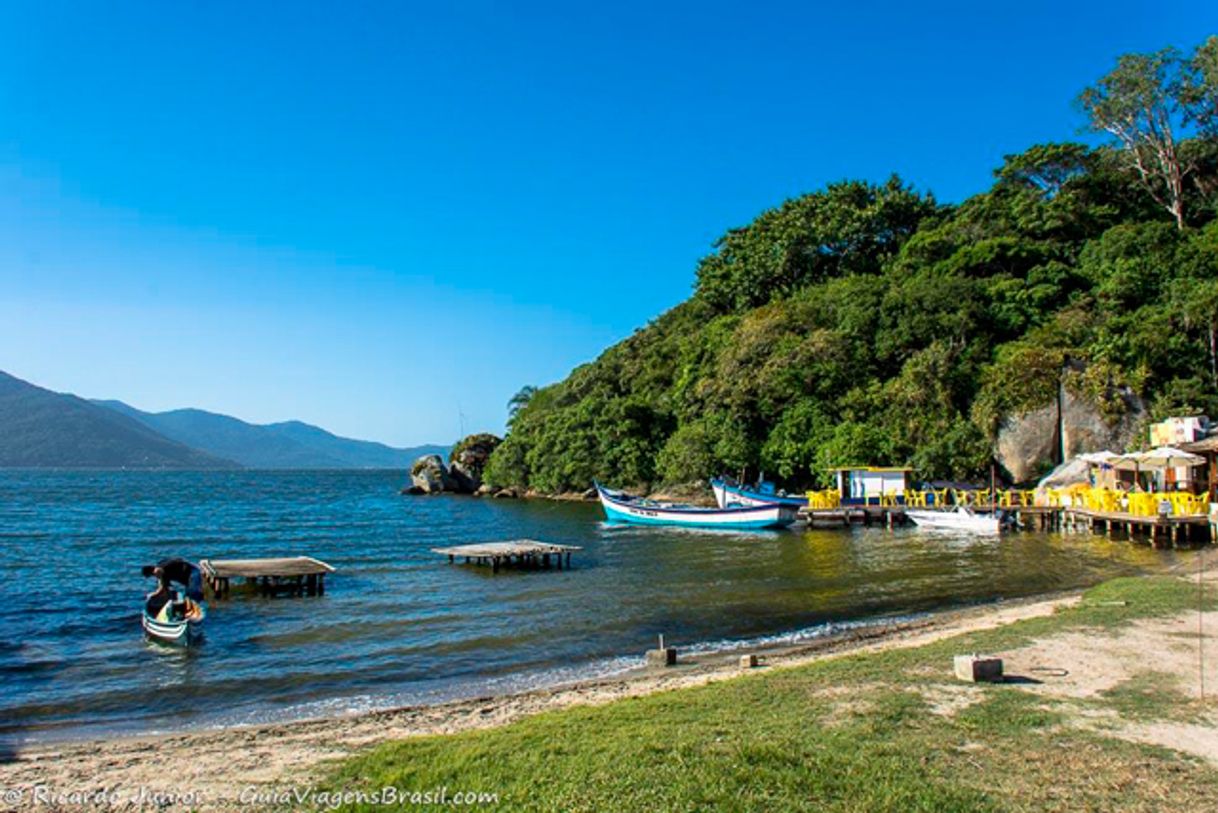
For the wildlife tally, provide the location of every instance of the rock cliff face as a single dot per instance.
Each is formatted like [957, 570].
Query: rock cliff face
[1084, 429]
[469, 459]
[462, 475]
[1032, 443]
[429, 475]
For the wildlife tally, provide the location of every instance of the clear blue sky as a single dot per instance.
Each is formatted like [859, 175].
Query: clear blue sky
[370, 216]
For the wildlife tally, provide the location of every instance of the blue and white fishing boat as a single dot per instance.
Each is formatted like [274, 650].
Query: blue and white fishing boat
[728, 492]
[174, 612]
[620, 507]
[181, 632]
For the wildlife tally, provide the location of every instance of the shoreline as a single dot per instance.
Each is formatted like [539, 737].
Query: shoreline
[218, 764]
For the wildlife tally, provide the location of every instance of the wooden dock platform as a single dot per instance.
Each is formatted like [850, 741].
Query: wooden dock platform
[292, 575]
[1160, 531]
[887, 515]
[525, 553]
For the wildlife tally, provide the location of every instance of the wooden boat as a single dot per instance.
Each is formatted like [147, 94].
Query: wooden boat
[730, 493]
[620, 507]
[960, 519]
[178, 617]
[182, 632]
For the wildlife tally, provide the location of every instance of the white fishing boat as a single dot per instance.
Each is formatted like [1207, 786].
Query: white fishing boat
[174, 614]
[620, 507]
[958, 519]
[185, 630]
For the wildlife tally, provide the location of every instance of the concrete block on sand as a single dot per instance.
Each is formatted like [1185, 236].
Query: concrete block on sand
[977, 668]
[662, 657]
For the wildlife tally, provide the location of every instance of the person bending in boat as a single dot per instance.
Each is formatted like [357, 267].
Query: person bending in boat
[159, 603]
[182, 572]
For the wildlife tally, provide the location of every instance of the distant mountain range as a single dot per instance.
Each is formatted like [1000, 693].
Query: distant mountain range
[286, 445]
[40, 428]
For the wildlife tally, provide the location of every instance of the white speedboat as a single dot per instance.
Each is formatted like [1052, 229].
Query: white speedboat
[958, 519]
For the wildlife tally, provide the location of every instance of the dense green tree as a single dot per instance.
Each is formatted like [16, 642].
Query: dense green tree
[1146, 103]
[520, 399]
[866, 323]
[851, 227]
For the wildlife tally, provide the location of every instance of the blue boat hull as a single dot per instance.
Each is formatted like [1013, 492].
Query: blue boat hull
[619, 508]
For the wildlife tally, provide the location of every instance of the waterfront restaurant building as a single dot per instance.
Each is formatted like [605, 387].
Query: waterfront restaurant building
[866, 485]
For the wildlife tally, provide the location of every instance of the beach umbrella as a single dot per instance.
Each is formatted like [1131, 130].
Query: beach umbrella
[1168, 457]
[1128, 462]
[1164, 457]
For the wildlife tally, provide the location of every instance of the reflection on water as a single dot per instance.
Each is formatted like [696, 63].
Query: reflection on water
[398, 624]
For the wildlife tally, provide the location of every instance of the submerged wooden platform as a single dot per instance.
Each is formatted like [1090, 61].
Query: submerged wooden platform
[294, 575]
[526, 553]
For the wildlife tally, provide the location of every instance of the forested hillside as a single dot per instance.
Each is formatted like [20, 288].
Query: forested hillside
[870, 323]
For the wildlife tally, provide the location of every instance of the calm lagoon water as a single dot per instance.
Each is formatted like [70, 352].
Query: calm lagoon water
[398, 624]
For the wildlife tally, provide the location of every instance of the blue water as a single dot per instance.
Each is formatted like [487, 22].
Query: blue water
[398, 624]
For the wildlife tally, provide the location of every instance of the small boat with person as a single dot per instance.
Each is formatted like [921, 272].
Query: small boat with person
[174, 612]
[729, 492]
[961, 518]
[622, 507]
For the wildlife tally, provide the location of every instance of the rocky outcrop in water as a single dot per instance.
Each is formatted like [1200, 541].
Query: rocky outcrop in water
[430, 475]
[469, 458]
[461, 475]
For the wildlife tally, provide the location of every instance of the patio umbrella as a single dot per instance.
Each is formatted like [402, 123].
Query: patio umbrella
[1164, 457]
[1129, 462]
[1167, 457]
[1100, 461]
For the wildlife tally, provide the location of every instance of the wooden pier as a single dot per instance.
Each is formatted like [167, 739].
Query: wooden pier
[292, 575]
[886, 515]
[523, 553]
[1160, 531]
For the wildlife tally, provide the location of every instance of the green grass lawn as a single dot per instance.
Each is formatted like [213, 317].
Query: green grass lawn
[851, 733]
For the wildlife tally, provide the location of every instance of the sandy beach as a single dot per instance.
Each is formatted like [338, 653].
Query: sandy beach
[224, 769]
[234, 768]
